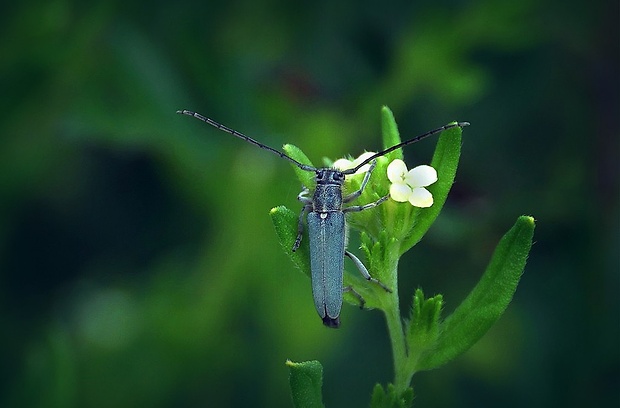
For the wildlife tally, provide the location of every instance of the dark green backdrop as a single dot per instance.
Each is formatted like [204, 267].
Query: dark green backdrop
[138, 265]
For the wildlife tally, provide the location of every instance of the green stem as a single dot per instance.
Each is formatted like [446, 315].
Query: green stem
[397, 336]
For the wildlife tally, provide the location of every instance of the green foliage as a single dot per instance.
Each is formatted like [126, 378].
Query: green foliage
[423, 325]
[445, 161]
[390, 398]
[425, 341]
[306, 177]
[390, 134]
[285, 222]
[306, 380]
[487, 301]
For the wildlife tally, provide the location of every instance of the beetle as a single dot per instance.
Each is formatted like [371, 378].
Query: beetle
[324, 214]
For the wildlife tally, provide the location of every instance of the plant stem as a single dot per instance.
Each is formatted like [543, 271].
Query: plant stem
[397, 336]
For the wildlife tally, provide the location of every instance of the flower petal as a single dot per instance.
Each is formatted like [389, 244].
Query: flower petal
[346, 164]
[396, 171]
[421, 176]
[342, 164]
[360, 159]
[421, 197]
[400, 192]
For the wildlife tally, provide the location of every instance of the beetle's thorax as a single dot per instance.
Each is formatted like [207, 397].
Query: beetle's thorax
[328, 191]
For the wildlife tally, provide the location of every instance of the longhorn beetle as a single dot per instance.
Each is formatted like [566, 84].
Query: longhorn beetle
[326, 221]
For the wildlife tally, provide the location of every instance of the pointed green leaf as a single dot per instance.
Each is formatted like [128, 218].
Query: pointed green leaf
[306, 177]
[391, 137]
[423, 327]
[390, 399]
[445, 161]
[285, 222]
[306, 380]
[378, 396]
[488, 300]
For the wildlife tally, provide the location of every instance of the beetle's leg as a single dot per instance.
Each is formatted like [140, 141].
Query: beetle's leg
[358, 208]
[357, 193]
[364, 271]
[357, 295]
[300, 226]
[306, 208]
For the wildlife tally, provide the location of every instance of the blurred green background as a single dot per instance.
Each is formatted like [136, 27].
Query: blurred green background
[138, 263]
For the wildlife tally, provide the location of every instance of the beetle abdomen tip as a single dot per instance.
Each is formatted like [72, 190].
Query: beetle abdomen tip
[333, 323]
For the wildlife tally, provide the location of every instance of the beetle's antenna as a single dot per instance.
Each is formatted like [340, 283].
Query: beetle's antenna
[405, 143]
[233, 132]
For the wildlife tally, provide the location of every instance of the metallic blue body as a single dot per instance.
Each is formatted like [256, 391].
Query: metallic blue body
[326, 233]
[327, 247]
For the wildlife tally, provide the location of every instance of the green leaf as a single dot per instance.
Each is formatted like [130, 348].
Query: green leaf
[306, 177]
[423, 326]
[391, 398]
[389, 131]
[306, 380]
[487, 301]
[285, 222]
[445, 161]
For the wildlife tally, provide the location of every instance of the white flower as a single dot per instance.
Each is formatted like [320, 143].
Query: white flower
[345, 164]
[409, 185]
